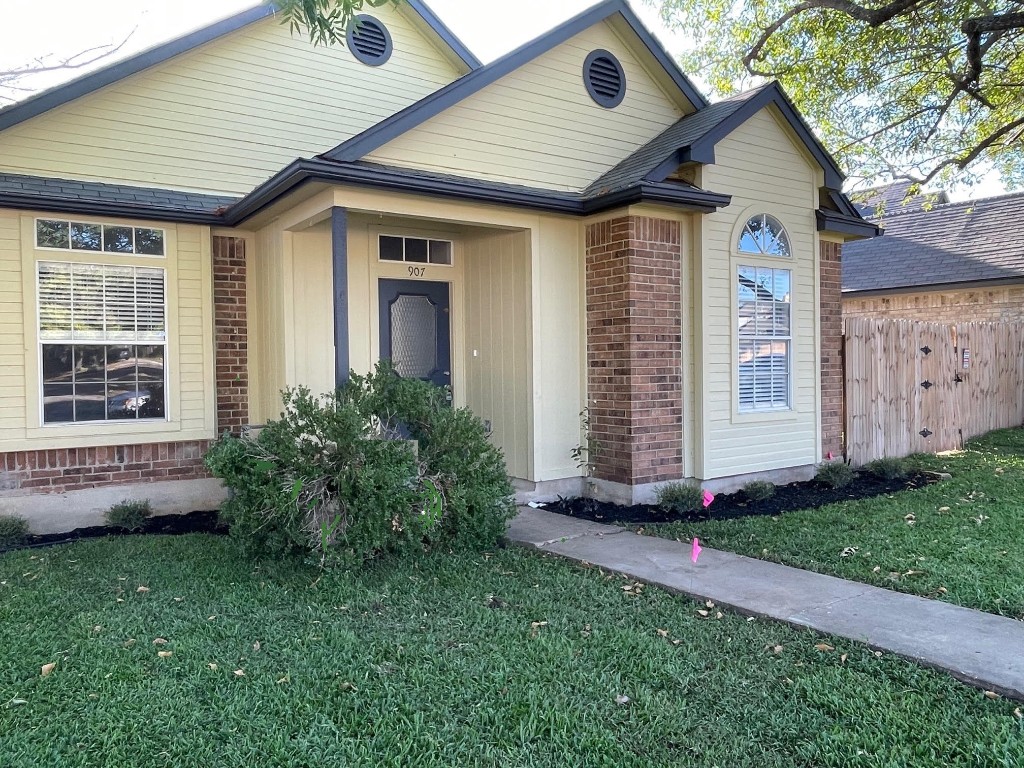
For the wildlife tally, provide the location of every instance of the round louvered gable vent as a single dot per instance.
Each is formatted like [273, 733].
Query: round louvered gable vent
[369, 40]
[604, 78]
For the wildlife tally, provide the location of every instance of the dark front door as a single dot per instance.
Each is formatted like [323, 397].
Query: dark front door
[415, 329]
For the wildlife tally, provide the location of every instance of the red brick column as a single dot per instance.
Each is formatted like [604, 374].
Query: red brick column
[634, 353]
[832, 374]
[230, 334]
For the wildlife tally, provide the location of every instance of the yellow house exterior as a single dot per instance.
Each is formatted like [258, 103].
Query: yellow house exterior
[571, 239]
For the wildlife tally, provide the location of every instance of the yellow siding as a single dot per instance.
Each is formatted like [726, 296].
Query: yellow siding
[268, 374]
[313, 330]
[190, 366]
[497, 323]
[227, 116]
[538, 126]
[765, 171]
[13, 345]
[559, 354]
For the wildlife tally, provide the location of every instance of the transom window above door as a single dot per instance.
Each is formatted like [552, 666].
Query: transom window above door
[415, 250]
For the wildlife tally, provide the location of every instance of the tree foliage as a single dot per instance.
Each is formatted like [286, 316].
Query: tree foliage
[916, 89]
[325, 22]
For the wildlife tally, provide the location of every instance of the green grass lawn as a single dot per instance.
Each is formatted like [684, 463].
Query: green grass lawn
[508, 659]
[961, 540]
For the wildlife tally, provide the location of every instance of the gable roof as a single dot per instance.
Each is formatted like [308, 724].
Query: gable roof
[965, 242]
[694, 137]
[93, 81]
[894, 198]
[359, 146]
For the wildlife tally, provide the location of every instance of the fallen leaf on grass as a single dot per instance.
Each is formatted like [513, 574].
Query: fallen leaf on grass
[256, 646]
[992, 695]
[165, 654]
[662, 632]
[709, 603]
[775, 648]
[702, 612]
[586, 630]
[718, 615]
[347, 686]
[1018, 713]
[212, 666]
[943, 509]
[239, 673]
[47, 669]
[283, 680]
[622, 699]
[142, 589]
[16, 702]
[159, 641]
[876, 569]
[824, 647]
[128, 643]
[848, 552]
[843, 658]
[535, 627]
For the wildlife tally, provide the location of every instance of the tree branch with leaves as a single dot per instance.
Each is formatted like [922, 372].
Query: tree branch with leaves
[915, 89]
[324, 22]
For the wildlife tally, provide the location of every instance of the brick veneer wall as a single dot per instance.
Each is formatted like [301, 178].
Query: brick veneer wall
[634, 352]
[970, 305]
[73, 469]
[231, 334]
[832, 373]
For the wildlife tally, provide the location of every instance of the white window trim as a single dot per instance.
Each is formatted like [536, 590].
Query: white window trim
[739, 259]
[41, 342]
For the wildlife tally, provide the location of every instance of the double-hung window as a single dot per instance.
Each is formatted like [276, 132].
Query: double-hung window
[102, 332]
[765, 323]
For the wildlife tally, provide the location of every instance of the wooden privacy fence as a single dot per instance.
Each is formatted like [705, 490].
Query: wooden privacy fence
[914, 386]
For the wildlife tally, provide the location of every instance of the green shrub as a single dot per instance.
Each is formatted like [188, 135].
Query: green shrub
[835, 474]
[129, 515]
[13, 531]
[335, 476]
[759, 490]
[888, 468]
[680, 498]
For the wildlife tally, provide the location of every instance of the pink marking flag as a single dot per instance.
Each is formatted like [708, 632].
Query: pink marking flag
[829, 456]
[696, 549]
[708, 498]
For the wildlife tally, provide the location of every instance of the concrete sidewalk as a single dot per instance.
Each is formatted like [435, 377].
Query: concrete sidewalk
[979, 648]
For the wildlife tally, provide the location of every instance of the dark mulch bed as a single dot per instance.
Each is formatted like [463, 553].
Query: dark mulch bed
[169, 525]
[806, 495]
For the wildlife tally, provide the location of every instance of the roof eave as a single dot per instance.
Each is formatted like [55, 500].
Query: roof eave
[830, 221]
[303, 171]
[57, 204]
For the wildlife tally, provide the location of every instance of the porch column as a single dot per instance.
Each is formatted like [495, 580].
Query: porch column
[339, 263]
[634, 349]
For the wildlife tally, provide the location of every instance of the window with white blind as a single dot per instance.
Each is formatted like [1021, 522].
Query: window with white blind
[765, 318]
[103, 342]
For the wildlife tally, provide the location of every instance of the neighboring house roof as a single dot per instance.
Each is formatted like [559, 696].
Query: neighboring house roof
[390, 128]
[893, 198]
[694, 137]
[966, 242]
[95, 198]
[93, 81]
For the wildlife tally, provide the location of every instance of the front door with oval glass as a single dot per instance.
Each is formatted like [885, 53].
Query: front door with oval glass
[415, 329]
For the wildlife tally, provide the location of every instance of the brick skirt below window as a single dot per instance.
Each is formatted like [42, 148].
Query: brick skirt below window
[73, 469]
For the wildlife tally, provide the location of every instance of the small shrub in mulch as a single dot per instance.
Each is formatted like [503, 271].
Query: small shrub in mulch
[786, 498]
[130, 514]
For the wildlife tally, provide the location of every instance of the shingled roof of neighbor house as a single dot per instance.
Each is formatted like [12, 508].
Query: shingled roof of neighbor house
[893, 198]
[966, 242]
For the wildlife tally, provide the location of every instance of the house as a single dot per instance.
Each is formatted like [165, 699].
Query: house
[946, 262]
[572, 227]
[897, 197]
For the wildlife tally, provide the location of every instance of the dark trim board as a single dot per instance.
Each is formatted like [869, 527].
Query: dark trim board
[830, 221]
[390, 128]
[381, 177]
[105, 208]
[339, 275]
[444, 32]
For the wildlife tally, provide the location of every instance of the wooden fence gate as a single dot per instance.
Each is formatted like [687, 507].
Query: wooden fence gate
[913, 386]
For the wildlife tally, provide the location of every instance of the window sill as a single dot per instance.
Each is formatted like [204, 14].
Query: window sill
[104, 429]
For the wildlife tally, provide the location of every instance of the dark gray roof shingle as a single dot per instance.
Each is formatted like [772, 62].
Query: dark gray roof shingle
[685, 132]
[67, 195]
[963, 242]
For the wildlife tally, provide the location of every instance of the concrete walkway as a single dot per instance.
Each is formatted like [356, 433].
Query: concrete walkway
[979, 648]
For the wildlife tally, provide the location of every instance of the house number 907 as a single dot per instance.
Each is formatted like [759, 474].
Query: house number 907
[417, 271]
